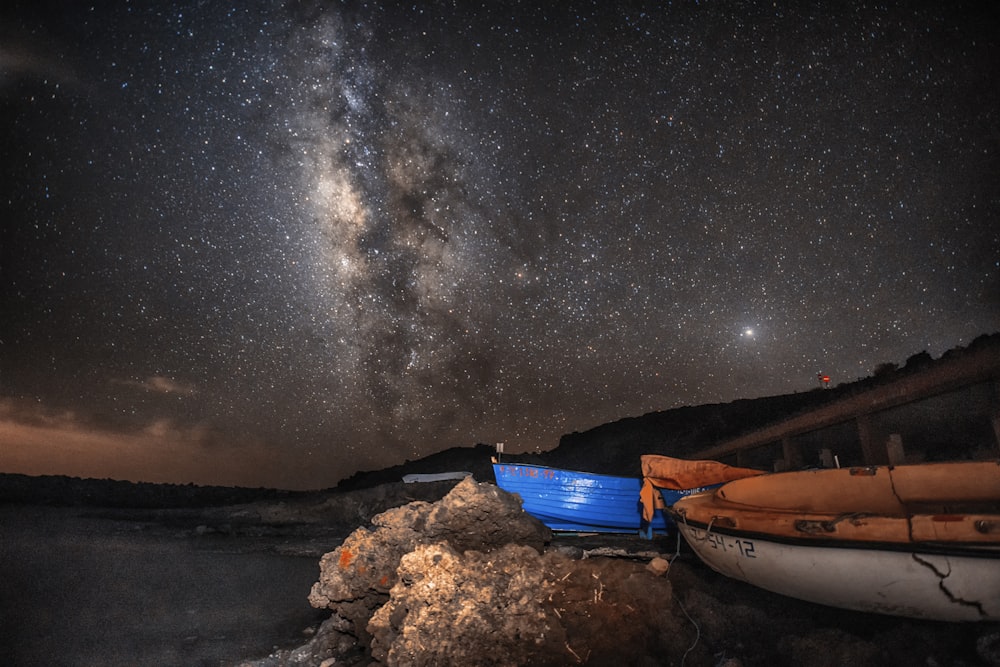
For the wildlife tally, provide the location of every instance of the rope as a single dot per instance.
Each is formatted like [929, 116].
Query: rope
[697, 630]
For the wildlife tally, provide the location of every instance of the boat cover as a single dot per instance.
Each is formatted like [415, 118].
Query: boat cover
[667, 472]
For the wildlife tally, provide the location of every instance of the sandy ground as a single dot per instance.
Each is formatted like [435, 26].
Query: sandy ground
[76, 590]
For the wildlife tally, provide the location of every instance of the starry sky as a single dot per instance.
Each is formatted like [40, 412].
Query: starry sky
[273, 243]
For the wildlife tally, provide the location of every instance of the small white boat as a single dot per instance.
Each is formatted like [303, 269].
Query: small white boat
[921, 541]
[415, 478]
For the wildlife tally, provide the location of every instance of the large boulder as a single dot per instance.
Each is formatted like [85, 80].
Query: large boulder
[469, 580]
[356, 577]
[514, 606]
[448, 608]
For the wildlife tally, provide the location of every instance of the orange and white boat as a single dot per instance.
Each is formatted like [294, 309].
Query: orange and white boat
[921, 541]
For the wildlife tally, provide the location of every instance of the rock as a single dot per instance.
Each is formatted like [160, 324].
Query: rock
[568, 550]
[446, 582]
[514, 606]
[468, 580]
[355, 579]
[483, 517]
[331, 644]
[473, 609]
[658, 566]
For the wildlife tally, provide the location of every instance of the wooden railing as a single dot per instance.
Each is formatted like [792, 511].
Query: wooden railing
[963, 369]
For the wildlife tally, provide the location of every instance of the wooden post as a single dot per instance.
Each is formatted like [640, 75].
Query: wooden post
[894, 449]
[741, 458]
[871, 448]
[792, 453]
[995, 412]
[996, 429]
[826, 457]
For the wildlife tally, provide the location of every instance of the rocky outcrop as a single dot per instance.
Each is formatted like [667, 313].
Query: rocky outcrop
[470, 580]
[356, 578]
[448, 608]
[515, 606]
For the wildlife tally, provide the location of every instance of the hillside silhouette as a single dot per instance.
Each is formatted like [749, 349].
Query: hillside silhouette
[614, 448]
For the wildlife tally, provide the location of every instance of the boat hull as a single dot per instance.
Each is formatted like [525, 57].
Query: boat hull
[936, 586]
[568, 500]
[921, 541]
[422, 478]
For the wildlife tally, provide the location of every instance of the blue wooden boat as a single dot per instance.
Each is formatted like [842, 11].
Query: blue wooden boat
[568, 500]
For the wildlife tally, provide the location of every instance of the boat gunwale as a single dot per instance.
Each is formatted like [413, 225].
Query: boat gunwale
[581, 473]
[877, 481]
[958, 549]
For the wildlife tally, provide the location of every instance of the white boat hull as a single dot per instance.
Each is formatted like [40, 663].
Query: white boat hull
[901, 583]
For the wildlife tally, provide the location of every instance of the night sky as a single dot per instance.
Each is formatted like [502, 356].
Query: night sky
[274, 243]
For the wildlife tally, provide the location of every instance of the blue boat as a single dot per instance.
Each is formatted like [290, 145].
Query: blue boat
[567, 500]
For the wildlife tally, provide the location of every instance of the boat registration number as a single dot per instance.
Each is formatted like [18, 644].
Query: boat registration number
[719, 542]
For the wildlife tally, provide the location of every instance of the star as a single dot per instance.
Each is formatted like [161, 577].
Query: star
[372, 234]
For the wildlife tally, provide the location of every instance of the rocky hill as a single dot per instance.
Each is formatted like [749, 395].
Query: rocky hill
[60, 490]
[615, 448]
[612, 448]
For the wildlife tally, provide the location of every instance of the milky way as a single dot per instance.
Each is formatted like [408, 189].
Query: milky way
[352, 234]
